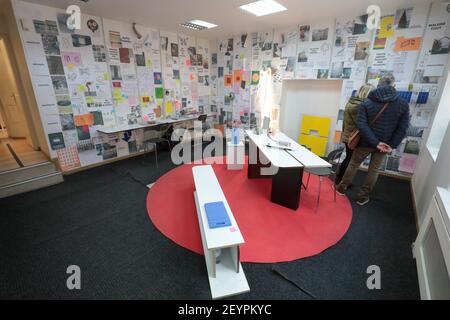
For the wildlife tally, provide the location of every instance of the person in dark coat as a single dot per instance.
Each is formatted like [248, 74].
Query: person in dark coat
[379, 139]
[350, 117]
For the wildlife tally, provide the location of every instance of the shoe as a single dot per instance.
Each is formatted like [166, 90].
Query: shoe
[362, 200]
[340, 190]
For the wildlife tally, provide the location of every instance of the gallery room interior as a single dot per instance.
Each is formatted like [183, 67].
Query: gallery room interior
[225, 149]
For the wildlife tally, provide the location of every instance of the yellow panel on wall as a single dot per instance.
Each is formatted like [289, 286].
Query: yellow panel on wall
[314, 123]
[317, 145]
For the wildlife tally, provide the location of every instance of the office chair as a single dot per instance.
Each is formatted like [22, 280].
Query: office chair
[326, 172]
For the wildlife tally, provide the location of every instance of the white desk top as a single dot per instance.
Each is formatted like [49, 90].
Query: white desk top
[297, 152]
[277, 157]
[208, 190]
[129, 127]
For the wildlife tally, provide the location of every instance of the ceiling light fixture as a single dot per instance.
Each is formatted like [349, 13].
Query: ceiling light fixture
[198, 25]
[263, 7]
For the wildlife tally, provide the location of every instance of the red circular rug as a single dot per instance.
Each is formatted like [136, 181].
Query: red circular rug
[272, 233]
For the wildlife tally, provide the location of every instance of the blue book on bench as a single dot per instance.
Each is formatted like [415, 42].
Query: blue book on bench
[217, 215]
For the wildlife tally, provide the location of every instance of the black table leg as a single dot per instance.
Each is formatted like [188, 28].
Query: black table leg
[287, 186]
[254, 169]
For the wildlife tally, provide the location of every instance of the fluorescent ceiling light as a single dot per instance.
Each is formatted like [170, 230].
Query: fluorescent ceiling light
[263, 7]
[198, 25]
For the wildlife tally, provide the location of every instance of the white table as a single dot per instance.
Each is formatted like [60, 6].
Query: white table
[227, 277]
[286, 163]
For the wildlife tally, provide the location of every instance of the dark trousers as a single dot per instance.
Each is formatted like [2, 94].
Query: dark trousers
[344, 164]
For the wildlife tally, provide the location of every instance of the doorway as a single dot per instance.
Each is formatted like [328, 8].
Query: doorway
[16, 150]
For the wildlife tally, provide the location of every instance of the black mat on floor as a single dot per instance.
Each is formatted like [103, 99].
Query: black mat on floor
[97, 220]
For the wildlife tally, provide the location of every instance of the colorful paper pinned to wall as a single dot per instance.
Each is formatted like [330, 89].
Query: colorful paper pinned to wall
[255, 78]
[387, 27]
[159, 93]
[168, 107]
[408, 44]
[84, 120]
[228, 80]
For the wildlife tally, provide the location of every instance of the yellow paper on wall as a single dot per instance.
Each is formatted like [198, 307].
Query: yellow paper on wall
[317, 145]
[89, 99]
[117, 94]
[106, 76]
[169, 107]
[387, 29]
[82, 88]
[70, 66]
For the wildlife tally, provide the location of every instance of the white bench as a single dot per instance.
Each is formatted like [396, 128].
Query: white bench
[226, 278]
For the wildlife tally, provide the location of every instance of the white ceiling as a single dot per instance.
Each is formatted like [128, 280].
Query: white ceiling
[168, 14]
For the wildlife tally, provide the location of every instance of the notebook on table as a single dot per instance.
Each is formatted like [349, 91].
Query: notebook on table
[217, 215]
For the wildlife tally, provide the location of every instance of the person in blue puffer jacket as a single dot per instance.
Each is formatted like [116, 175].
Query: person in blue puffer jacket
[379, 139]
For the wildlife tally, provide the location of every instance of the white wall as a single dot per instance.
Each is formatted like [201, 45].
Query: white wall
[309, 97]
[432, 168]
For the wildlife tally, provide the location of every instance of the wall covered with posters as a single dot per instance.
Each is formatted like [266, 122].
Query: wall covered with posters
[411, 43]
[104, 75]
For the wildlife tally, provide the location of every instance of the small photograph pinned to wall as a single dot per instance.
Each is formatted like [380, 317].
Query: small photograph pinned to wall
[320, 34]
[229, 45]
[220, 72]
[63, 100]
[174, 49]
[360, 25]
[99, 52]
[192, 51]
[302, 57]
[60, 84]
[322, 74]
[346, 73]
[79, 40]
[379, 43]
[115, 39]
[140, 59]
[276, 50]
[290, 64]
[109, 150]
[47, 26]
[255, 78]
[205, 64]
[67, 122]
[83, 133]
[206, 81]
[362, 50]
[304, 33]
[93, 26]
[441, 46]
[62, 23]
[125, 55]
[164, 41]
[157, 77]
[176, 74]
[50, 44]
[199, 60]
[55, 65]
[214, 59]
[403, 18]
[56, 140]
[115, 72]
[337, 70]
[420, 78]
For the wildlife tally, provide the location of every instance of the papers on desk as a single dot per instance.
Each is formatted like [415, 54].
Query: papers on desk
[275, 145]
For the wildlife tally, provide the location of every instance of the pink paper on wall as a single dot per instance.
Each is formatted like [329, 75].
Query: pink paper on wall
[72, 58]
[408, 162]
